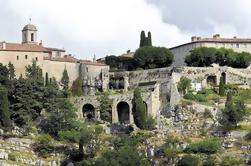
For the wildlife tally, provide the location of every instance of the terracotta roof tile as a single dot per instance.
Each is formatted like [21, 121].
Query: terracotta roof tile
[23, 47]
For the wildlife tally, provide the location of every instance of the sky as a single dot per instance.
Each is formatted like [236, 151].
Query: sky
[111, 27]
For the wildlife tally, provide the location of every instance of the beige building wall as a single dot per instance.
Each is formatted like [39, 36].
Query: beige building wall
[56, 68]
[21, 59]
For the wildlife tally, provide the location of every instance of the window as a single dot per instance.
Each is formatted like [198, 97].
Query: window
[17, 57]
[32, 37]
[36, 59]
[237, 46]
[26, 56]
[87, 69]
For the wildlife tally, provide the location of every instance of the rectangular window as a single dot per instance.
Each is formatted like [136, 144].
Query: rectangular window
[36, 59]
[26, 56]
[17, 57]
[87, 69]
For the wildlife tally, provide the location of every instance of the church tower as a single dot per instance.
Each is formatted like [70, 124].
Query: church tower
[29, 34]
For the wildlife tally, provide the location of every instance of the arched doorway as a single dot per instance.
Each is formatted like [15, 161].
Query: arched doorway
[123, 112]
[223, 75]
[211, 80]
[146, 106]
[88, 112]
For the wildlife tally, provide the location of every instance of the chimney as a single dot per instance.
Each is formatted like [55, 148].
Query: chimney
[41, 43]
[193, 38]
[4, 45]
[216, 36]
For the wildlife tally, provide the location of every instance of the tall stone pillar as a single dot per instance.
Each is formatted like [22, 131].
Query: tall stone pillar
[126, 83]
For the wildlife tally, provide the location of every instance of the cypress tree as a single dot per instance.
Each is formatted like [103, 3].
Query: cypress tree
[142, 39]
[77, 87]
[4, 108]
[149, 39]
[222, 87]
[65, 81]
[139, 109]
[11, 71]
[46, 79]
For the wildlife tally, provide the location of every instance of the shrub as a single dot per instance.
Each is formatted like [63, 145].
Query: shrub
[69, 136]
[184, 85]
[190, 96]
[200, 98]
[43, 145]
[229, 161]
[12, 156]
[188, 160]
[207, 146]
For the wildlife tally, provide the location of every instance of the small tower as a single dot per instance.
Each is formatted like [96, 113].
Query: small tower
[94, 58]
[29, 34]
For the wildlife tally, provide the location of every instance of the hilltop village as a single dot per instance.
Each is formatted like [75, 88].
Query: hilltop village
[188, 105]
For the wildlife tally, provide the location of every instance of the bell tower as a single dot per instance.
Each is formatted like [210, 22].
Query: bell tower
[29, 34]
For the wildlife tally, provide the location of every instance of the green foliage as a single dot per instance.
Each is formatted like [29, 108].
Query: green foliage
[207, 146]
[139, 109]
[71, 136]
[153, 57]
[77, 87]
[61, 116]
[231, 161]
[150, 123]
[204, 56]
[65, 83]
[209, 161]
[5, 120]
[189, 160]
[222, 87]
[43, 145]
[112, 61]
[46, 79]
[171, 148]
[233, 112]
[105, 107]
[11, 71]
[145, 41]
[184, 85]
[12, 156]
[4, 75]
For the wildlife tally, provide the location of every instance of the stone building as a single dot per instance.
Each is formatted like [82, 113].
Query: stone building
[52, 60]
[237, 44]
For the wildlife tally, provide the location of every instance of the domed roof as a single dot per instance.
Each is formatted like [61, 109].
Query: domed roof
[30, 27]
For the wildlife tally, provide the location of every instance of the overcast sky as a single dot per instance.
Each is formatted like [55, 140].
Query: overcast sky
[106, 27]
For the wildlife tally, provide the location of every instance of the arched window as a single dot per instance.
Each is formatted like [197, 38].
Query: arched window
[32, 37]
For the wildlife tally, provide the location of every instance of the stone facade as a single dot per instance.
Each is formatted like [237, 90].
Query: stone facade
[237, 44]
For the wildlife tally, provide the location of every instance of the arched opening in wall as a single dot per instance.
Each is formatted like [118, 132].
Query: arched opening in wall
[223, 75]
[88, 112]
[121, 82]
[112, 83]
[32, 37]
[123, 112]
[211, 80]
[145, 104]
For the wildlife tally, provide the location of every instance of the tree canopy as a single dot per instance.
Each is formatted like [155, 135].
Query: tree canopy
[205, 56]
[153, 57]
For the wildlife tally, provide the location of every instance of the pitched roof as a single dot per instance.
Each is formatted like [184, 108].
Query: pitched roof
[216, 40]
[26, 47]
[87, 62]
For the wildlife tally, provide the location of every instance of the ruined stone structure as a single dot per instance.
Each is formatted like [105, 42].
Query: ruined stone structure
[237, 44]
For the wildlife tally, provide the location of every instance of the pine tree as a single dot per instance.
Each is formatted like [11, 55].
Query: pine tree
[149, 39]
[139, 109]
[11, 71]
[65, 81]
[4, 108]
[222, 87]
[142, 39]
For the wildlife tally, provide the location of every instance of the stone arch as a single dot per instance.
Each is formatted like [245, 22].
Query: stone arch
[224, 76]
[212, 80]
[32, 37]
[145, 103]
[123, 110]
[88, 111]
